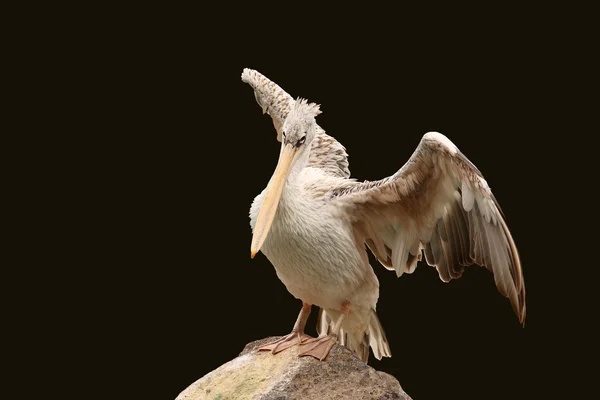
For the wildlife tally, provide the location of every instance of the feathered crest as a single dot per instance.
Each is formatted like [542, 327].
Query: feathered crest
[302, 109]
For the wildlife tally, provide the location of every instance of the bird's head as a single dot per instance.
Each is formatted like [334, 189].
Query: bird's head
[298, 131]
[299, 127]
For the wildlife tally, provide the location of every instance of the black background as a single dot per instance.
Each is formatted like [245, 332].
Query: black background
[173, 148]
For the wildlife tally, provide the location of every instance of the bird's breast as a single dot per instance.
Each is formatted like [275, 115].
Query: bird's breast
[311, 246]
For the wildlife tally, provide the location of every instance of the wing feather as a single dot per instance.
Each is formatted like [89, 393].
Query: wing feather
[438, 202]
[326, 153]
[271, 98]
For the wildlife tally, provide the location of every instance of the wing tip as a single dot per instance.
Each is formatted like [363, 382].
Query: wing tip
[522, 316]
[517, 300]
[523, 310]
[249, 75]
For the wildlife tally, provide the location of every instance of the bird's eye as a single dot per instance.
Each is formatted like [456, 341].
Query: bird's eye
[301, 141]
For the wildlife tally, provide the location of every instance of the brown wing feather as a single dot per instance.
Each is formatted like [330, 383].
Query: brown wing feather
[437, 202]
[326, 152]
[271, 98]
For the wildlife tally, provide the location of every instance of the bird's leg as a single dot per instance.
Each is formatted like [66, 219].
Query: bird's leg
[297, 335]
[320, 347]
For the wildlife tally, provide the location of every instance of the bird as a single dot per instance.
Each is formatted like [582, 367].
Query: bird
[316, 224]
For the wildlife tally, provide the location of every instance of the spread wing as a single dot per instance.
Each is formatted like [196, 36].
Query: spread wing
[440, 203]
[270, 97]
[326, 152]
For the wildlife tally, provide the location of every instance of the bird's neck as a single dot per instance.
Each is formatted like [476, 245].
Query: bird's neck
[296, 169]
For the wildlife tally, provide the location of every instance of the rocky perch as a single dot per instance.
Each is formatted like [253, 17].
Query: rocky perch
[285, 376]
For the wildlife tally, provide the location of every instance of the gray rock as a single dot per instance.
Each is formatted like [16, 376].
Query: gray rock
[285, 376]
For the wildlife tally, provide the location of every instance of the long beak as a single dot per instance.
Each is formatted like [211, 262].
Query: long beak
[271, 201]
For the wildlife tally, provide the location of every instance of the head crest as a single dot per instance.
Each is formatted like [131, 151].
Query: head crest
[302, 108]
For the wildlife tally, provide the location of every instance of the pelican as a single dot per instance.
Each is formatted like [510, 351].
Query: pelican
[314, 224]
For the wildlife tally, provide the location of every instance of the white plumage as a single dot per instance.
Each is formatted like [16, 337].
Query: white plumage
[314, 223]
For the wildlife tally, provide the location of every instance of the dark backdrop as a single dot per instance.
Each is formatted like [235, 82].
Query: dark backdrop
[180, 149]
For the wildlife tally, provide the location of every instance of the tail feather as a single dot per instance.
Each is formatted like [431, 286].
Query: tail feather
[359, 342]
[324, 323]
[377, 339]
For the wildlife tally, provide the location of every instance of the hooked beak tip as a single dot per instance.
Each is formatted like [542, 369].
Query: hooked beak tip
[252, 253]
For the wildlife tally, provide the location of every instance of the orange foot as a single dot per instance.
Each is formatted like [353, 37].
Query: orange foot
[285, 342]
[318, 348]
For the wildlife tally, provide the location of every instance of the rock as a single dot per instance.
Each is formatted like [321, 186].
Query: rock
[285, 376]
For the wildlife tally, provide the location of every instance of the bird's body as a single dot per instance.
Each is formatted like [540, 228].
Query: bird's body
[314, 224]
[311, 246]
